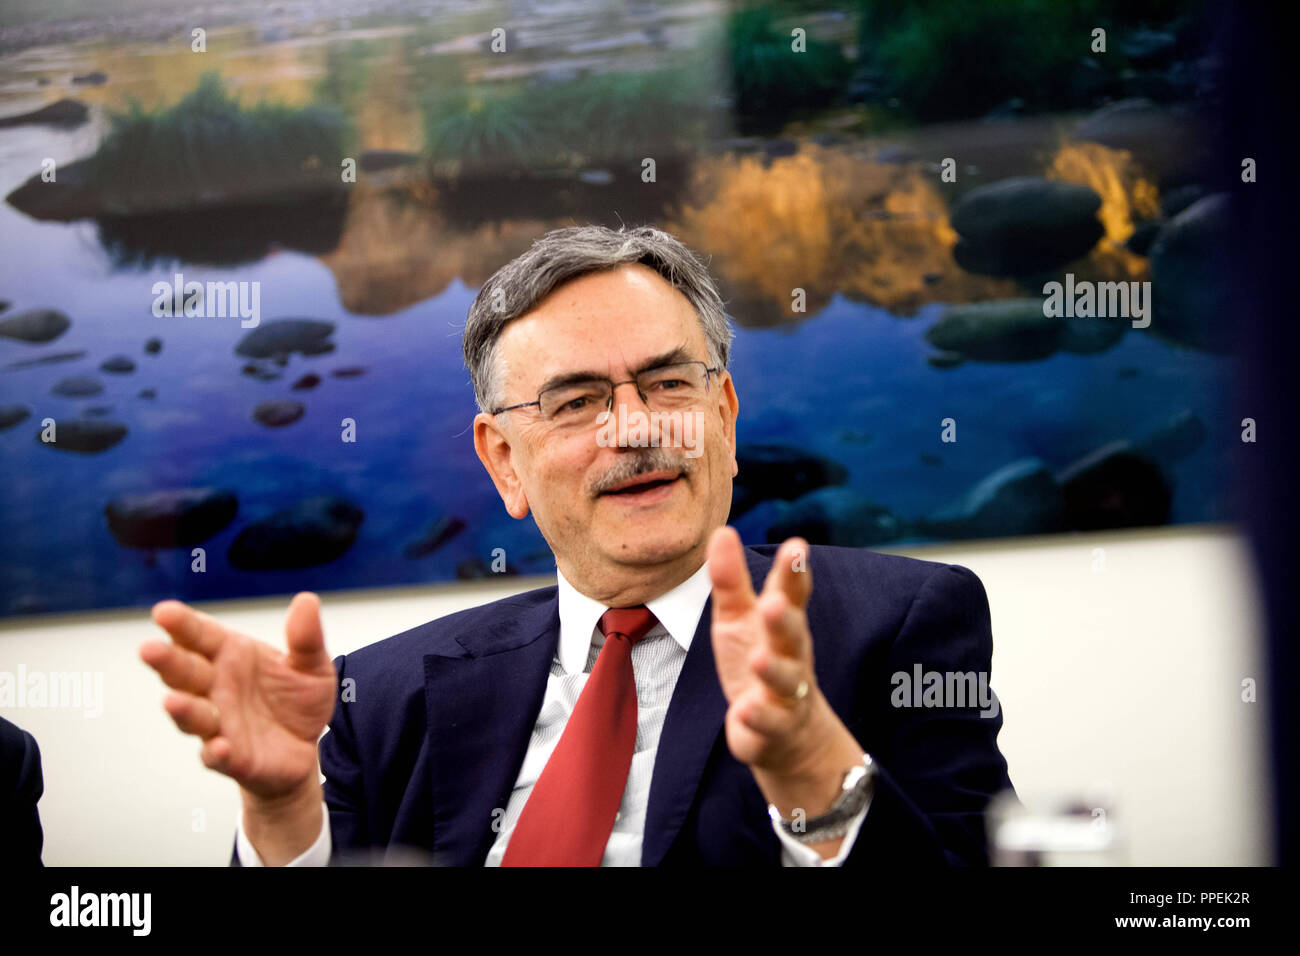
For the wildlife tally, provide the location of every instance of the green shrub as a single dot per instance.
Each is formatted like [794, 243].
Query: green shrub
[769, 80]
[207, 147]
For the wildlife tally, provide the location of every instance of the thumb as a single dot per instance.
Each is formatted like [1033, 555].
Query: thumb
[733, 590]
[304, 635]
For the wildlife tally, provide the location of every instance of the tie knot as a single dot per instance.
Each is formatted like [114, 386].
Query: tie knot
[632, 622]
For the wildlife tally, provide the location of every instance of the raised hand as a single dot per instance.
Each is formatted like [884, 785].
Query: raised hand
[778, 721]
[259, 712]
[763, 649]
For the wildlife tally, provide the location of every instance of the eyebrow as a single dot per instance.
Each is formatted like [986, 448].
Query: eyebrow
[679, 354]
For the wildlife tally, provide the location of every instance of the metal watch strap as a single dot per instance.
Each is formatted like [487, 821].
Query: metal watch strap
[855, 790]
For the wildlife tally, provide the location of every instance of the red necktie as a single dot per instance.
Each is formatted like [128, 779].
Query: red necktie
[570, 813]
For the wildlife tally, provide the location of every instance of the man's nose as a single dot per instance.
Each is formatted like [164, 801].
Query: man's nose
[614, 399]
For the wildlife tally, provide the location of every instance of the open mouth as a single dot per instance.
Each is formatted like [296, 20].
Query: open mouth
[643, 488]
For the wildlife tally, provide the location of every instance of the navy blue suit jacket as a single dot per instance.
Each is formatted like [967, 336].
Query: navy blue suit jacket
[432, 726]
[21, 786]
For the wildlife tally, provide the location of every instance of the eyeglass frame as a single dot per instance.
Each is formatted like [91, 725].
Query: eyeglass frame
[613, 385]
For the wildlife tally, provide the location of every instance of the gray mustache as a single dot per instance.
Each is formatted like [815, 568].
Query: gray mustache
[642, 461]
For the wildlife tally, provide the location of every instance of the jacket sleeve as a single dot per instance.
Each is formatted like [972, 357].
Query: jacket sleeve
[342, 769]
[938, 764]
[341, 765]
[21, 787]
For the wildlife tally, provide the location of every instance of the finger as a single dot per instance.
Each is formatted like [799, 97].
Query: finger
[215, 754]
[179, 669]
[780, 675]
[733, 591]
[791, 573]
[304, 634]
[193, 715]
[762, 717]
[189, 628]
[786, 626]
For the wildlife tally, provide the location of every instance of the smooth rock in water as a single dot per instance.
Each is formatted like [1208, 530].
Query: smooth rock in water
[36, 325]
[1173, 441]
[377, 160]
[777, 148]
[1115, 487]
[1180, 197]
[945, 360]
[351, 371]
[473, 569]
[311, 532]
[278, 412]
[175, 518]
[93, 78]
[1164, 141]
[442, 531]
[46, 360]
[1091, 334]
[1010, 109]
[1147, 46]
[1025, 225]
[85, 435]
[63, 112]
[253, 370]
[1019, 498]
[1144, 234]
[779, 472]
[1189, 285]
[11, 415]
[318, 348]
[77, 386]
[310, 380]
[118, 365]
[1009, 330]
[838, 516]
[278, 338]
[854, 435]
[153, 346]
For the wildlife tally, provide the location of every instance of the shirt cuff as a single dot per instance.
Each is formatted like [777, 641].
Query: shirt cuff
[318, 854]
[794, 853]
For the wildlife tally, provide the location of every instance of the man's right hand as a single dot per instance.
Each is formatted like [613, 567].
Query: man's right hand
[258, 711]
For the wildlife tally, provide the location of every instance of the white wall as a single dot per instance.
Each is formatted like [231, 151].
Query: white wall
[1128, 677]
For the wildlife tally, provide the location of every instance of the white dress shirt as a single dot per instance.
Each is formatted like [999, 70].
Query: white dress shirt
[657, 661]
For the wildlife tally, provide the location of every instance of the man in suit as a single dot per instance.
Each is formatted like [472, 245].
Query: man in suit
[650, 708]
[21, 786]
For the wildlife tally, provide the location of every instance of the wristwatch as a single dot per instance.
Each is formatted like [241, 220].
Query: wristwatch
[855, 790]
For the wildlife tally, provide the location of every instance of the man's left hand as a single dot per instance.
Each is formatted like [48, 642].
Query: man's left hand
[795, 744]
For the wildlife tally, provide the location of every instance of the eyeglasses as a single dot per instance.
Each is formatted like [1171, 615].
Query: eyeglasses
[578, 403]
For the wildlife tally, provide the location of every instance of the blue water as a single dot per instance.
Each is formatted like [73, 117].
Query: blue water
[851, 383]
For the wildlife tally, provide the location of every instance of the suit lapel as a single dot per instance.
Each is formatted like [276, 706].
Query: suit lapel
[691, 730]
[483, 697]
[482, 702]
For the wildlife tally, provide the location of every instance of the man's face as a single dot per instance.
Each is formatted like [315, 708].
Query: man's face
[611, 324]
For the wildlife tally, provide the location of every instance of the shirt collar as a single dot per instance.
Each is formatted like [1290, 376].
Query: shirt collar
[678, 610]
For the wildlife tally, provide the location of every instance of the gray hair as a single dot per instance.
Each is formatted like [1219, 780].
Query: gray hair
[563, 254]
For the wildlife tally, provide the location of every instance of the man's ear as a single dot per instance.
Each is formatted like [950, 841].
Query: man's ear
[730, 411]
[493, 447]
